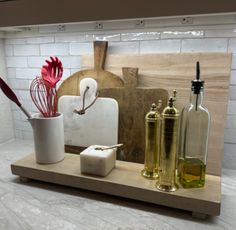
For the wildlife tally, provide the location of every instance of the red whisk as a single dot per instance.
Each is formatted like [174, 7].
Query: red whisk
[44, 97]
[43, 90]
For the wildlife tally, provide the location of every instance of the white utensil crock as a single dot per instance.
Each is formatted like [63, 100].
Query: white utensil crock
[48, 138]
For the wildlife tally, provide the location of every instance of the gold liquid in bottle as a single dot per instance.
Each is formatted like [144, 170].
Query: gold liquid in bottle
[168, 153]
[195, 123]
[152, 127]
[192, 172]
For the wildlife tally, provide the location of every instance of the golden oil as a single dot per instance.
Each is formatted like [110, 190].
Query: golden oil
[193, 146]
[191, 172]
[152, 127]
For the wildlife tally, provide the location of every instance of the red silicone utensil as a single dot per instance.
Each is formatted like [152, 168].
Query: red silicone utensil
[52, 72]
[11, 95]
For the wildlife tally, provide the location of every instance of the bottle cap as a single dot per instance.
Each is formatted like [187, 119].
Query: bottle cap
[197, 84]
[154, 107]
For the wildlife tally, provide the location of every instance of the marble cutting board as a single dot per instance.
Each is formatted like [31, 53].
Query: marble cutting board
[99, 124]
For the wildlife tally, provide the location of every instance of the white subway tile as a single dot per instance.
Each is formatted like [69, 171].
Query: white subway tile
[140, 36]
[230, 136]
[34, 109]
[39, 40]
[66, 74]
[37, 62]
[231, 122]
[103, 37]
[26, 50]
[16, 115]
[48, 29]
[229, 158]
[27, 105]
[67, 61]
[220, 33]
[22, 125]
[81, 48]
[72, 71]
[232, 45]
[71, 61]
[9, 50]
[54, 49]
[204, 45]
[233, 77]
[160, 46]
[14, 107]
[27, 73]
[11, 73]
[169, 34]
[123, 48]
[23, 94]
[27, 135]
[18, 134]
[29, 83]
[14, 41]
[18, 83]
[230, 148]
[69, 38]
[233, 66]
[16, 62]
[232, 92]
[231, 108]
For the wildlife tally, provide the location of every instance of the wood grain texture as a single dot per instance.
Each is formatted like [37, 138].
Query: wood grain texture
[175, 71]
[134, 103]
[124, 181]
[104, 78]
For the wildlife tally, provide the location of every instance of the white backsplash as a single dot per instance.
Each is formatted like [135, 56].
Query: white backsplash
[6, 122]
[26, 51]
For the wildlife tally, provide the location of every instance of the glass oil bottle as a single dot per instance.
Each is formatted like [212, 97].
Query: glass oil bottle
[152, 132]
[195, 121]
[168, 148]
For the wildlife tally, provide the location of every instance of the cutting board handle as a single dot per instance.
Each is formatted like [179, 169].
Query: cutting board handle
[100, 51]
[130, 76]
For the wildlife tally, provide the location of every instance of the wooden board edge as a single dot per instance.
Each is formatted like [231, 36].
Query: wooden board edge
[119, 190]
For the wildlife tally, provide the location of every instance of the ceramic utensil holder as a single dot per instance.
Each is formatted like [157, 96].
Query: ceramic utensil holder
[48, 138]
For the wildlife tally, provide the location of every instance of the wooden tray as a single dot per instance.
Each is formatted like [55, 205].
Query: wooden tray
[124, 181]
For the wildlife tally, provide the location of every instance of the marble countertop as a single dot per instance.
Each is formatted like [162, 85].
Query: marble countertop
[38, 205]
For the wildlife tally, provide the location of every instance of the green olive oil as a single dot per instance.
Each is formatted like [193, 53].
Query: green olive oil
[193, 146]
[192, 172]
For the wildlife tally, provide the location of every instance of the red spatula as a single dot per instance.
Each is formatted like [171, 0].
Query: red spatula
[11, 95]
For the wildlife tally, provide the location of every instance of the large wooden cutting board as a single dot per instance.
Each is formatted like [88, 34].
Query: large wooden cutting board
[104, 78]
[175, 71]
[134, 103]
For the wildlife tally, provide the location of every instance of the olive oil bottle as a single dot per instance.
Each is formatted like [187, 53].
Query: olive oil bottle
[195, 121]
[152, 130]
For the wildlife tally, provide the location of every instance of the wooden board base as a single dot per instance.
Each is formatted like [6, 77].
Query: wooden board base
[124, 181]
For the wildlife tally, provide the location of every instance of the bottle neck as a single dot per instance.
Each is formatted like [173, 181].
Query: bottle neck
[196, 99]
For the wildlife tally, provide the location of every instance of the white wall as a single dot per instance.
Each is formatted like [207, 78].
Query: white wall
[26, 52]
[6, 123]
